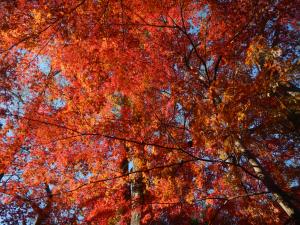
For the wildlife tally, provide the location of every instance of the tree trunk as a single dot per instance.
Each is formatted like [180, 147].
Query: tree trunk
[136, 193]
[40, 220]
[280, 196]
[43, 214]
[133, 191]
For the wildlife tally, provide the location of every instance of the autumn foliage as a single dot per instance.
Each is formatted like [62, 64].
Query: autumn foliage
[149, 112]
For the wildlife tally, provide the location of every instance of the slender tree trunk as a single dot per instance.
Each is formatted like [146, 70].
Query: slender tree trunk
[136, 193]
[280, 196]
[134, 189]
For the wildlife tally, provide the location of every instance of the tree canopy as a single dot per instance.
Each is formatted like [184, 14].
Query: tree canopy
[149, 112]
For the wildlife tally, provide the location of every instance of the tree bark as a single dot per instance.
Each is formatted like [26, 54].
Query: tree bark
[134, 190]
[136, 193]
[280, 196]
[43, 214]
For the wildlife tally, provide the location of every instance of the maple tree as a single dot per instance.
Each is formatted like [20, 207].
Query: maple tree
[149, 112]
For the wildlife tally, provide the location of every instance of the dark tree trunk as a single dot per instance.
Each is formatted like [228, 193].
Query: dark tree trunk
[280, 196]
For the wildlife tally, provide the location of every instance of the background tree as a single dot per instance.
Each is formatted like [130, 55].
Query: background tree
[141, 112]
